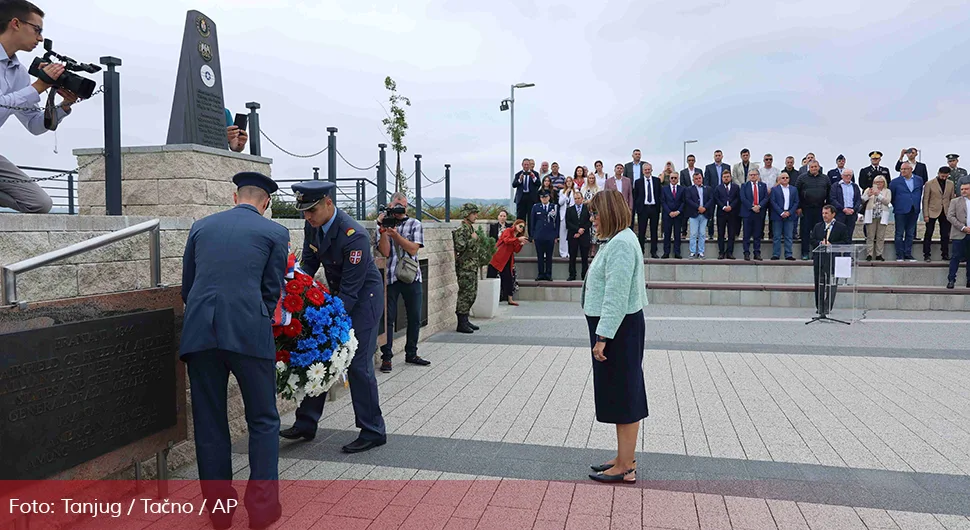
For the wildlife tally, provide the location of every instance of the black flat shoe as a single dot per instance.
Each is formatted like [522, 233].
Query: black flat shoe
[604, 467]
[359, 446]
[295, 434]
[601, 477]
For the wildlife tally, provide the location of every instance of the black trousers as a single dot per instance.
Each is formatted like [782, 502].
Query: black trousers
[672, 227]
[728, 222]
[823, 266]
[507, 280]
[648, 215]
[411, 292]
[848, 220]
[944, 235]
[576, 247]
[811, 216]
[544, 258]
[523, 209]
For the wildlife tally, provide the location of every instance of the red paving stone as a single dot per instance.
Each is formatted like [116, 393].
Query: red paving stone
[309, 515]
[457, 523]
[627, 501]
[383, 485]
[362, 503]
[592, 499]
[295, 498]
[428, 517]
[582, 521]
[447, 492]
[410, 494]
[391, 517]
[626, 521]
[333, 522]
[549, 525]
[502, 518]
[554, 511]
[669, 509]
[560, 492]
[519, 494]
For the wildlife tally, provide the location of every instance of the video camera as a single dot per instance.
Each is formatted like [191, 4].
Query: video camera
[80, 86]
[389, 221]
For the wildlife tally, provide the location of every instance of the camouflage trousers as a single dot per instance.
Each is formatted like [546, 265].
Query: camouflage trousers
[467, 291]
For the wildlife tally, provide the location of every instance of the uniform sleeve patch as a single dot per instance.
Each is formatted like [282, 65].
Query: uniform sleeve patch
[355, 256]
[350, 232]
[313, 248]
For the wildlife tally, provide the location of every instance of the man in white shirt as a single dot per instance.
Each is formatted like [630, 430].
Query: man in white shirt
[646, 204]
[21, 28]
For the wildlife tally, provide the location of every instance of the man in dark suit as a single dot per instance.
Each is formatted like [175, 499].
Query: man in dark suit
[846, 197]
[647, 191]
[727, 199]
[712, 177]
[919, 168]
[835, 175]
[754, 207]
[544, 220]
[578, 224]
[907, 197]
[232, 274]
[526, 184]
[338, 243]
[672, 200]
[633, 170]
[698, 208]
[828, 232]
[687, 174]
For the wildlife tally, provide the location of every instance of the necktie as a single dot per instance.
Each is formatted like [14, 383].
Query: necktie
[649, 183]
[527, 183]
[755, 186]
[828, 230]
[673, 190]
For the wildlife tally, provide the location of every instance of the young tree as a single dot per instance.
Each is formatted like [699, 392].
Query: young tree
[397, 126]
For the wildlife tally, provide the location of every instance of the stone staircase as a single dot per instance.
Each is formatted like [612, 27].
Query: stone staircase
[880, 285]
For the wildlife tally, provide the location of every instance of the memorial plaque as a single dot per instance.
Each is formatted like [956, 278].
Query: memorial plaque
[198, 110]
[72, 392]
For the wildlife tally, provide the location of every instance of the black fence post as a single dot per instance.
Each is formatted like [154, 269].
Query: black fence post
[112, 136]
[254, 148]
[363, 199]
[382, 177]
[447, 193]
[316, 173]
[332, 160]
[417, 187]
[357, 184]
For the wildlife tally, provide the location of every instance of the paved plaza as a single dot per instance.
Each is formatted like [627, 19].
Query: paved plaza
[756, 421]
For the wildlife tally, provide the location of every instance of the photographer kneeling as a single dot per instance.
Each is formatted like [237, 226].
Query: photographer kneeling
[398, 239]
[21, 26]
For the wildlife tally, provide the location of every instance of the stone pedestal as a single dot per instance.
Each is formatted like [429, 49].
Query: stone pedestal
[166, 181]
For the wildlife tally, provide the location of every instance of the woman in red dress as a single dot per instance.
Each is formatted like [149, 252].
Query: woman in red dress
[510, 242]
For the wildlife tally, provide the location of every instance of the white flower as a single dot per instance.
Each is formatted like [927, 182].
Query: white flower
[316, 372]
[280, 366]
[293, 382]
[314, 388]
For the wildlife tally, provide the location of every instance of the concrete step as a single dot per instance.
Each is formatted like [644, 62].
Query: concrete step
[714, 271]
[913, 298]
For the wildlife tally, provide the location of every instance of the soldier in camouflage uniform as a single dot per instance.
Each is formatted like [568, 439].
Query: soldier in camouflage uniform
[466, 266]
[956, 173]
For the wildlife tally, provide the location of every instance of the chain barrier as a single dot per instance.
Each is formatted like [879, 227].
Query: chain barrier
[431, 182]
[375, 164]
[318, 153]
[57, 176]
[45, 108]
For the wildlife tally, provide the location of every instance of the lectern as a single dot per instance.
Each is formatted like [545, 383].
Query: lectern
[834, 266]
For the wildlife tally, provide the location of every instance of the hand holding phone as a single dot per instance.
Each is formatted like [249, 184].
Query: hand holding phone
[242, 120]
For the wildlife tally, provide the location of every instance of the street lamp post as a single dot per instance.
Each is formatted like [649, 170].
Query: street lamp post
[685, 149]
[509, 104]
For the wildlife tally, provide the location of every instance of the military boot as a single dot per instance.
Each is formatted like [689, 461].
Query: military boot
[463, 324]
[469, 322]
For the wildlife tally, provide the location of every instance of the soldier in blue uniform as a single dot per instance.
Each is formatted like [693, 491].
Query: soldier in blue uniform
[333, 239]
[232, 272]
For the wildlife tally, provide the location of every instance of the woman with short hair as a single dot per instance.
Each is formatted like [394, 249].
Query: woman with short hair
[876, 219]
[614, 294]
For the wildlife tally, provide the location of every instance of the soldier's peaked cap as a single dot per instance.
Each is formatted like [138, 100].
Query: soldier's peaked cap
[874, 154]
[952, 157]
[252, 178]
[309, 193]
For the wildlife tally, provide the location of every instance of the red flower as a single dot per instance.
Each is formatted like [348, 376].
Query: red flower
[283, 355]
[295, 287]
[304, 279]
[293, 329]
[277, 331]
[292, 303]
[315, 296]
[322, 287]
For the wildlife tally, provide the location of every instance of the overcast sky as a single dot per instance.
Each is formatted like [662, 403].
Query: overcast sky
[786, 77]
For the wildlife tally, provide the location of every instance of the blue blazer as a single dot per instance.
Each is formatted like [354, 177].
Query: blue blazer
[669, 203]
[345, 253]
[232, 273]
[692, 202]
[544, 226]
[777, 202]
[747, 198]
[711, 177]
[905, 201]
[837, 198]
[733, 199]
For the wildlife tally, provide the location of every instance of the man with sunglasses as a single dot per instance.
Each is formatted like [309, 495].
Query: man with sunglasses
[21, 29]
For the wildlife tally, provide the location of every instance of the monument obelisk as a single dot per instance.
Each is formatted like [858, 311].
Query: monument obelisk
[198, 111]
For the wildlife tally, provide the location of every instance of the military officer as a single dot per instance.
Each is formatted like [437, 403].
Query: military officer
[466, 265]
[333, 239]
[869, 173]
[232, 271]
[956, 172]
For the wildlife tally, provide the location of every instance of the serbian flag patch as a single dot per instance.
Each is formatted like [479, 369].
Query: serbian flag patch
[350, 232]
[355, 256]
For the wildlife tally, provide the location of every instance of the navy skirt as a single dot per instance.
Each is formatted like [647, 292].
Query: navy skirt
[618, 387]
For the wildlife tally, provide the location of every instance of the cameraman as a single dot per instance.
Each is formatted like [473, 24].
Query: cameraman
[406, 236]
[21, 26]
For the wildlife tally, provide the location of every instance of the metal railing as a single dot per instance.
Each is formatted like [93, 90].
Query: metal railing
[62, 189]
[10, 272]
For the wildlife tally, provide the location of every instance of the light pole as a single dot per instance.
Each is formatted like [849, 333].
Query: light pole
[509, 105]
[685, 149]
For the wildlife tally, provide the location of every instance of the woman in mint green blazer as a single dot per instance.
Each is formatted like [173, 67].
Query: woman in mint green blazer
[614, 294]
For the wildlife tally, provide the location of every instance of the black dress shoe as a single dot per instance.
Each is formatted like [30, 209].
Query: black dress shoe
[729, 256]
[386, 366]
[295, 434]
[790, 258]
[950, 285]
[747, 257]
[602, 477]
[880, 258]
[945, 258]
[720, 256]
[571, 279]
[678, 256]
[968, 285]
[757, 257]
[417, 360]
[654, 256]
[359, 445]
[868, 258]
[775, 258]
[260, 524]
[927, 259]
[665, 256]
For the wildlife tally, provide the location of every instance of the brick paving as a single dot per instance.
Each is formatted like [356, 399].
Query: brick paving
[755, 422]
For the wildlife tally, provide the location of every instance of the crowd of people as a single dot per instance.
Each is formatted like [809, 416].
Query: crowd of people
[744, 200]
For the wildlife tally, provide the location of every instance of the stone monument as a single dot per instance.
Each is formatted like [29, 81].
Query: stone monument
[198, 112]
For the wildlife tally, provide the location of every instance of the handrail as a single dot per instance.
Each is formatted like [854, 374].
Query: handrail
[10, 272]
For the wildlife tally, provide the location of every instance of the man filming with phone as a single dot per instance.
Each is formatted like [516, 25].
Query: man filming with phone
[21, 29]
[236, 131]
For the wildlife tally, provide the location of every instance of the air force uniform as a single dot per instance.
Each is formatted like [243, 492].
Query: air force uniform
[232, 272]
[343, 248]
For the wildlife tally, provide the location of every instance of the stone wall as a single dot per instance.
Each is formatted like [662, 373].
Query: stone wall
[166, 181]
